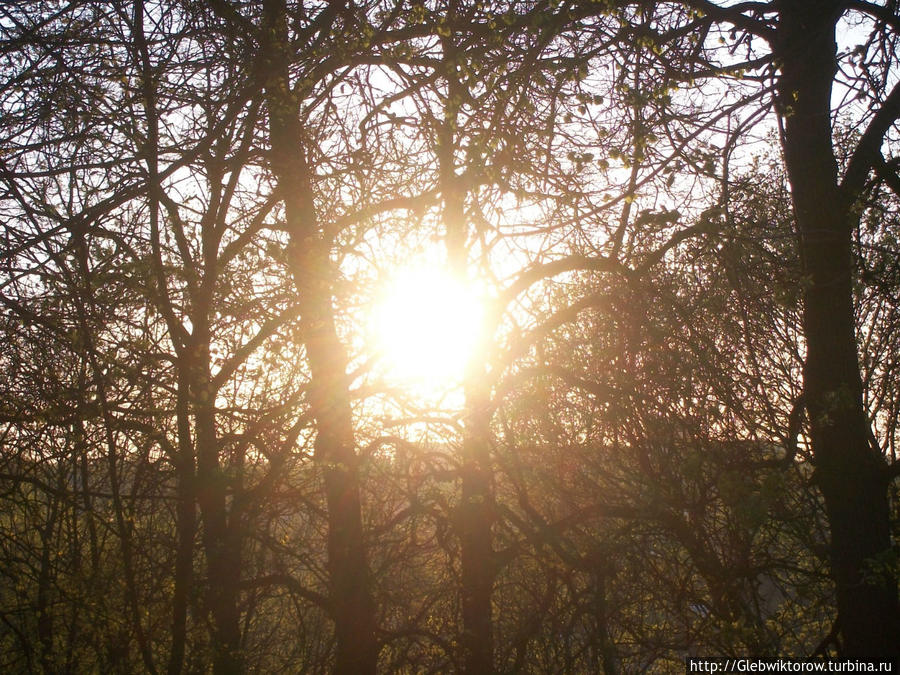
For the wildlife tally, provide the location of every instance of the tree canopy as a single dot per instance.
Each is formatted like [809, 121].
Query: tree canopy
[653, 244]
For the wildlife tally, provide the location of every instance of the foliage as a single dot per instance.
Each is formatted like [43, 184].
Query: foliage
[200, 201]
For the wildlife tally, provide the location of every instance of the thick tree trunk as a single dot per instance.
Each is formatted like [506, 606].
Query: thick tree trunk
[849, 471]
[475, 514]
[185, 527]
[476, 539]
[309, 258]
[220, 544]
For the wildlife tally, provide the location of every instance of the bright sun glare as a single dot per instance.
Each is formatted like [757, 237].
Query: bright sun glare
[426, 326]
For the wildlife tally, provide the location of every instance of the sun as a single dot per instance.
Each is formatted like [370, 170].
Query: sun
[426, 327]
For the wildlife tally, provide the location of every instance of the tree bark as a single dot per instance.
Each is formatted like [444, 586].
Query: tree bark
[221, 534]
[185, 527]
[220, 543]
[476, 511]
[849, 471]
[476, 516]
[310, 263]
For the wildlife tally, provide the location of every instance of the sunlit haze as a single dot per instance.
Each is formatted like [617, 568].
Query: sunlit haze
[425, 325]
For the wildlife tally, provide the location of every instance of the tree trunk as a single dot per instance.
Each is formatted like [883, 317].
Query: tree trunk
[352, 606]
[850, 473]
[45, 573]
[475, 515]
[220, 543]
[185, 527]
[476, 539]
